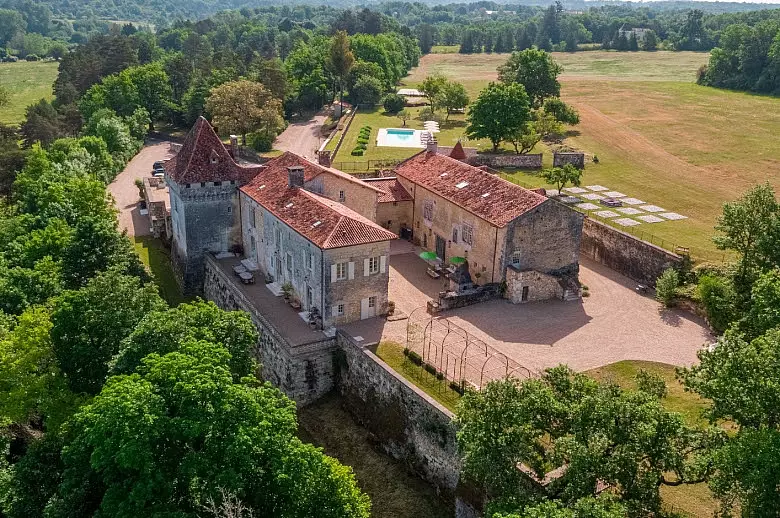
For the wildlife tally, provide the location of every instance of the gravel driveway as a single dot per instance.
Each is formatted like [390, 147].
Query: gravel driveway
[125, 192]
[302, 138]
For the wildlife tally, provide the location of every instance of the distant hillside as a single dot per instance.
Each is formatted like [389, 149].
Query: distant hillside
[163, 12]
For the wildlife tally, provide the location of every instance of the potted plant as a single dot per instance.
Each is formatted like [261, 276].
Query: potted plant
[287, 291]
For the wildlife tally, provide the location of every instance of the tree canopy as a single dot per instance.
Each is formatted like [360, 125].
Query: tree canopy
[536, 70]
[500, 112]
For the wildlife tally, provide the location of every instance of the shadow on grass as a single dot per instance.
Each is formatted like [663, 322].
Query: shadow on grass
[158, 260]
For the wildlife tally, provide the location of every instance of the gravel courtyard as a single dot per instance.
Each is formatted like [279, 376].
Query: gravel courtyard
[615, 323]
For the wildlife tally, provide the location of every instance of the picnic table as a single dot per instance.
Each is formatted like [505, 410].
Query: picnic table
[247, 277]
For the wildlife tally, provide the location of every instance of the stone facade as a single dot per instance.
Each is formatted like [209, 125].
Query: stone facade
[203, 219]
[407, 423]
[528, 161]
[356, 195]
[576, 159]
[545, 239]
[531, 286]
[287, 257]
[394, 215]
[363, 293]
[449, 219]
[624, 253]
[158, 205]
[304, 372]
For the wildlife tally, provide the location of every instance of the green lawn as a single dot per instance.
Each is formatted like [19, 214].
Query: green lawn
[451, 130]
[695, 500]
[393, 355]
[659, 137]
[27, 83]
[157, 258]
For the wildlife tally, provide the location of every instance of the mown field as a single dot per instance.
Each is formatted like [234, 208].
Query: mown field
[26, 83]
[658, 136]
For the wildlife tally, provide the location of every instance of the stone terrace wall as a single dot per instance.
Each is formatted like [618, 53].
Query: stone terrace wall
[305, 373]
[624, 253]
[408, 423]
[576, 159]
[533, 161]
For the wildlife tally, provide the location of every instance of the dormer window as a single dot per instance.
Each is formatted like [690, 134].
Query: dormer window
[214, 157]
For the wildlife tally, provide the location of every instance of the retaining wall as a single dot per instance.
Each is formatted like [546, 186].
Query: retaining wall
[576, 159]
[532, 161]
[636, 259]
[305, 372]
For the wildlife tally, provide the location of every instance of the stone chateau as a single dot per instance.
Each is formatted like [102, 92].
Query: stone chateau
[326, 235]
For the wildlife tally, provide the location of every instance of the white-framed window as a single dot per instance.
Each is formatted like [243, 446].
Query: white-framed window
[278, 239]
[373, 264]
[311, 262]
[341, 271]
[455, 235]
[252, 216]
[428, 210]
[253, 243]
[342, 196]
[467, 234]
[230, 209]
[372, 302]
[289, 263]
[516, 257]
[340, 310]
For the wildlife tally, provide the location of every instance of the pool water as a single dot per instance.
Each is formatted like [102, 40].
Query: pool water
[399, 136]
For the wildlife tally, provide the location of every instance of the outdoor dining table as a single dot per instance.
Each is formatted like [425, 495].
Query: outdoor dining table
[247, 277]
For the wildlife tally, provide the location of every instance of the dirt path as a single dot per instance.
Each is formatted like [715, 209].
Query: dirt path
[125, 192]
[302, 138]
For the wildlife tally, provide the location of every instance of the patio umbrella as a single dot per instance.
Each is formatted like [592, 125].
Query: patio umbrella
[457, 260]
[428, 256]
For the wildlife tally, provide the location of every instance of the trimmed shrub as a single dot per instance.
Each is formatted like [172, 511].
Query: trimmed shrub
[440, 376]
[32, 57]
[666, 287]
[457, 387]
[415, 358]
[406, 351]
[430, 368]
[357, 152]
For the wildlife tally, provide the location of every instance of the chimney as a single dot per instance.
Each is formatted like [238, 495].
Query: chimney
[295, 176]
[432, 146]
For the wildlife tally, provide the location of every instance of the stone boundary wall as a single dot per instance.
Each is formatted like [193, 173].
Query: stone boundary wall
[344, 133]
[532, 161]
[409, 424]
[576, 159]
[636, 259]
[305, 373]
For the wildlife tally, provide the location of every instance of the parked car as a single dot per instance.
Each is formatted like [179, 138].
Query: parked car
[158, 169]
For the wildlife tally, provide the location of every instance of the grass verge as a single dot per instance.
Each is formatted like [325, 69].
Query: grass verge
[157, 258]
[27, 83]
[393, 355]
[394, 492]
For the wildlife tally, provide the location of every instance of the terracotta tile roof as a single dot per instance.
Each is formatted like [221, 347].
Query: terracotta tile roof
[483, 194]
[312, 170]
[392, 190]
[457, 152]
[204, 158]
[324, 222]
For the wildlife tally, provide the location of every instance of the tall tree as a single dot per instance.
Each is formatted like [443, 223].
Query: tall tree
[244, 106]
[340, 60]
[536, 70]
[88, 326]
[454, 97]
[433, 88]
[180, 432]
[500, 112]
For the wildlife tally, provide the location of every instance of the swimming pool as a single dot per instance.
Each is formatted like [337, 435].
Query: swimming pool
[398, 137]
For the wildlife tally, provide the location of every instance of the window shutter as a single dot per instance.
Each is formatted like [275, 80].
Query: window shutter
[382, 264]
[365, 267]
[332, 273]
[351, 270]
[334, 311]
